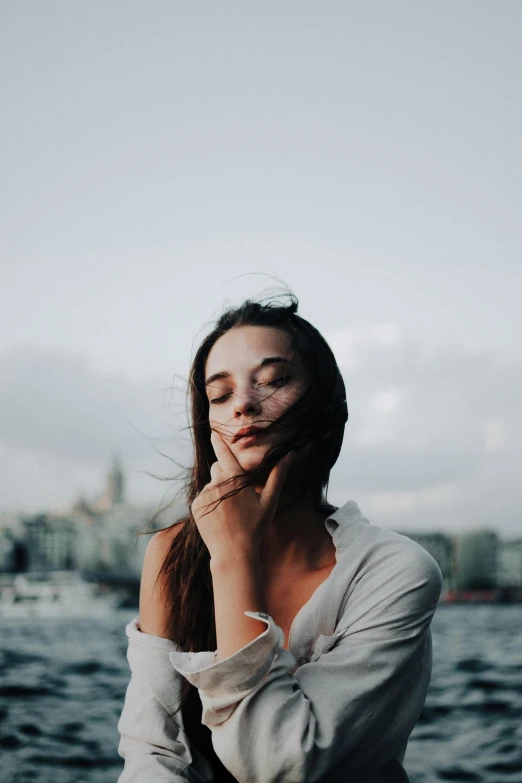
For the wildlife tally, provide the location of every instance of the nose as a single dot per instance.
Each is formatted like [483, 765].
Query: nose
[246, 402]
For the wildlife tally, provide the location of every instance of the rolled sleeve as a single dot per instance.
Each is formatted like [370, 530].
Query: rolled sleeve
[240, 672]
[153, 742]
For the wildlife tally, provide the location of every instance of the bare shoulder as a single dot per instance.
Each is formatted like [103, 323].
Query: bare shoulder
[153, 609]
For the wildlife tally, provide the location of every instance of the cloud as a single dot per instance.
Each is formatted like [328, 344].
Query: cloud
[351, 344]
[434, 436]
[381, 471]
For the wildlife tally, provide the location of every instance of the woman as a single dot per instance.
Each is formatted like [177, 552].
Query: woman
[278, 638]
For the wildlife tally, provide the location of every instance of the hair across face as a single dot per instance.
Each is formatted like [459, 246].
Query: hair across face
[253, 377]
[265, 366]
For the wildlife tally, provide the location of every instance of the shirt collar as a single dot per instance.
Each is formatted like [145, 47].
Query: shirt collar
[344, 523]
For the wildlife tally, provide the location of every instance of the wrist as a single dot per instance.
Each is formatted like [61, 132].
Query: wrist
[224, 561]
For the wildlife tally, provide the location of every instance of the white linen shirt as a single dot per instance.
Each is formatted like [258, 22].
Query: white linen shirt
[337, 707]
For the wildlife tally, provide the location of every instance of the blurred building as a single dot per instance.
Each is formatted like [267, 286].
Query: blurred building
[476, 560]
[100, 535]
[49, 543]
[114, 493]
[13, 552]
[7, 550]
[112, 542]
[509, 563]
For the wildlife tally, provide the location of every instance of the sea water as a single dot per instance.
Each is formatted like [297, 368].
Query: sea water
[63, 681]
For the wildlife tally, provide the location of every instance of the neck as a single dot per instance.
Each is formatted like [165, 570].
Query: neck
[297, 539]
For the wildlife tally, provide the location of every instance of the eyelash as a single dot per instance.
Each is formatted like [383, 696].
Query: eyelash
[278, 383]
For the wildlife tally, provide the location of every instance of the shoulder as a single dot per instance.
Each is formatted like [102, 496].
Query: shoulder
[403, 577]
[395, 589]
[153, 607]
[382, 551]
[421, 574]
[386, 569]
[159, 546]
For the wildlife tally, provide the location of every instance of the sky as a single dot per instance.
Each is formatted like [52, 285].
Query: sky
[160, 161]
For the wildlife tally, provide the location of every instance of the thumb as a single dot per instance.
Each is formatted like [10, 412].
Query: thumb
[275, 481]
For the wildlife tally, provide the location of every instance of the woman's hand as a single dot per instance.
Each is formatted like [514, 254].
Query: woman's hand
[236, 526]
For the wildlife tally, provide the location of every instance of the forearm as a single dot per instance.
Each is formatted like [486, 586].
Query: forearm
[238, 587]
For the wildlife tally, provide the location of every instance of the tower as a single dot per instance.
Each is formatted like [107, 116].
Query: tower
[115, 483]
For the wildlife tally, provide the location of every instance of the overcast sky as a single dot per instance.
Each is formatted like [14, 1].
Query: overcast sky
[161, 159]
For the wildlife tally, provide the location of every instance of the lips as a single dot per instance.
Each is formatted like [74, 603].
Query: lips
[246, 432]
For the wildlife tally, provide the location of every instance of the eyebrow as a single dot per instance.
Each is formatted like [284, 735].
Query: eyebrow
[269, 360]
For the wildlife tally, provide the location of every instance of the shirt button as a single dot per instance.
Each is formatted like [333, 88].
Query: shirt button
[262, 614]
[303, 660]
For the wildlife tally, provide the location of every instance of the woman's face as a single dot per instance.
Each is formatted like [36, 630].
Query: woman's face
[251, 379]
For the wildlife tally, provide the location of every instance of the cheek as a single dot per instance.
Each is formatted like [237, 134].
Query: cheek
[221, 423]
[214, 416]
[285, 398]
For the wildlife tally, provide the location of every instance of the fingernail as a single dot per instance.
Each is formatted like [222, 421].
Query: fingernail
[290, 456]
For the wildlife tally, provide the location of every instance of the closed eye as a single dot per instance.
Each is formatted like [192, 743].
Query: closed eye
[217, 400]
[277, 383]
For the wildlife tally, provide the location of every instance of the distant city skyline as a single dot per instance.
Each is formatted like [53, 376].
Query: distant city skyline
[98, 535]
[157, 165]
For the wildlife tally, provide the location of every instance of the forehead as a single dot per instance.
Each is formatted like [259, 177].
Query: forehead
[245, 346]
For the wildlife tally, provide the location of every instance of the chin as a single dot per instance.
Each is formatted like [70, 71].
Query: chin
[249, 460]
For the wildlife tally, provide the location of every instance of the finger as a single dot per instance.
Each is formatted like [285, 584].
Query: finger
[227, 461]
[274, 484]
[216, 472]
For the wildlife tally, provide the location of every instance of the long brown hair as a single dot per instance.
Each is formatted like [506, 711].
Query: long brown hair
[321, 414]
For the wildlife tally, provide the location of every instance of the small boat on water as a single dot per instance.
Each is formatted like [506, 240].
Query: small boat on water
[53, 594]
